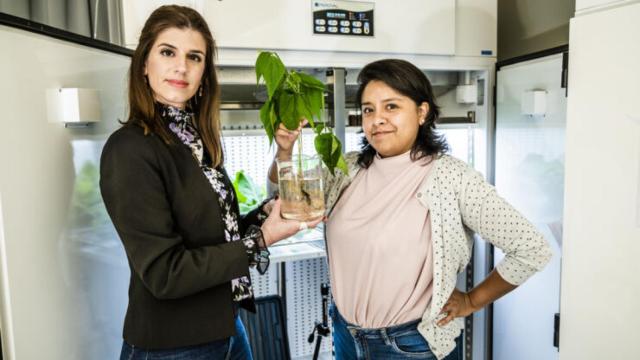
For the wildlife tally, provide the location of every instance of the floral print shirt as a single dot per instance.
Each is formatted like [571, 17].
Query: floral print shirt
[181, 124]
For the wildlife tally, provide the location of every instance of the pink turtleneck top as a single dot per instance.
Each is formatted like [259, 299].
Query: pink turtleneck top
[379, 244]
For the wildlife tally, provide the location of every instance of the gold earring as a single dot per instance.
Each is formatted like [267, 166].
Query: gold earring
[200, 91]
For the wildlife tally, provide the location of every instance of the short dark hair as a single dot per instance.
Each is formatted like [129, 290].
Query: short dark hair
[408, 80]
[206, 108]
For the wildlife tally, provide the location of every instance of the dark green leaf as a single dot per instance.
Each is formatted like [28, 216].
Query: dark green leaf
[266, 117]
[288, 110]
[323, 144]
[342, 165]
[318, 128]
[311, 82]
[304, 110]
[270, 68]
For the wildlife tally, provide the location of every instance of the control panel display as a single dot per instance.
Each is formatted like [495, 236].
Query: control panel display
[339, 17]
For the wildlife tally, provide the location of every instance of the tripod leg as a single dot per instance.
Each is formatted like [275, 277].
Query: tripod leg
[316, 351]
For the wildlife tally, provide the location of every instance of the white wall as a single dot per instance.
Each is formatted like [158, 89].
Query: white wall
[63, 271]
[600, 290]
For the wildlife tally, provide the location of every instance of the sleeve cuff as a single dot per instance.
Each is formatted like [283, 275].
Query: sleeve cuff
[257, 250]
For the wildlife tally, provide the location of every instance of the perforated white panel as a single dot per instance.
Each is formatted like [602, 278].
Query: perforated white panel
[304, 304]
[248, 151]
[267, 284]
[352, 139]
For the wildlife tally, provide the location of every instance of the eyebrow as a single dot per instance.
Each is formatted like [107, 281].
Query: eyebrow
[173, 47]
[384, 101]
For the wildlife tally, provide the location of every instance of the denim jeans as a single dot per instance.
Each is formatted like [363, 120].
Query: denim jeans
[233, 348]
[402, 341]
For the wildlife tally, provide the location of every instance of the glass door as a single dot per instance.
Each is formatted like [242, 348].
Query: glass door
[529, 173]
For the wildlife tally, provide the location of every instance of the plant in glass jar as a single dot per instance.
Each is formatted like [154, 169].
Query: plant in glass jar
[293, 97]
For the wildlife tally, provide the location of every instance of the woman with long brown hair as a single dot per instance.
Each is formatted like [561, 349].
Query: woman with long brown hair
[166, 190]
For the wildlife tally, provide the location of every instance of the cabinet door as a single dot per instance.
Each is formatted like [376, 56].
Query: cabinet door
[600, 287]
[529, 173]
[407, 27]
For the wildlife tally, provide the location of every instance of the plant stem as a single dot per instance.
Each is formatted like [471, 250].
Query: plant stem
[300, 176]
[300, 154]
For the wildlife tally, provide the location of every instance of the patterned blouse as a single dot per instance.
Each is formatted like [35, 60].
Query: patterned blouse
[181, 124]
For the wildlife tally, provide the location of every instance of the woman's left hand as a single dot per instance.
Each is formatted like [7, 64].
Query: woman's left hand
[458, 305]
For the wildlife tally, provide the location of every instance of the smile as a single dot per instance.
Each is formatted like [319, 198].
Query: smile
[381, 133]
[178, 83]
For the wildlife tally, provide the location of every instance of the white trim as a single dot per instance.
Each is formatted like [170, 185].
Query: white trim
[6, 322]
[352, 60]
[604, 7]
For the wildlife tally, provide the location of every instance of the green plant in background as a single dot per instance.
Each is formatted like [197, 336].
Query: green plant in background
[292, 97]
[87, 209]
[249, 193]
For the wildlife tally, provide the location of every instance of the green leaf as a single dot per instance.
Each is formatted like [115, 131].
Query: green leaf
[270, 68]
[311, 82]
[329, 148]
[266, 117]
[317, 103]
[294, 81]
[342, 165]
[249, 194]
[304, 109]
[318, 128]
[288, 110]
[323, 144]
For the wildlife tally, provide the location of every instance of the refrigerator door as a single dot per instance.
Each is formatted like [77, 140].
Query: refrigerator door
[529, 173]
[600, 287]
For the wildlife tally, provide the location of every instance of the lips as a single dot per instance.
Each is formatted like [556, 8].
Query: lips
[178, 83]
[380, 133]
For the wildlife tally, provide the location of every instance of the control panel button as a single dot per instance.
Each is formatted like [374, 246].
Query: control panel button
[321, 21]
[333, 29]
[333, 22]
[345, 23]
[357, 24]
[345, 30]
[320, 29]
[357, 31]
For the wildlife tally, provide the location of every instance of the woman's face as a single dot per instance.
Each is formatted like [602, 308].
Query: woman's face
[175, 65]
[390, 120]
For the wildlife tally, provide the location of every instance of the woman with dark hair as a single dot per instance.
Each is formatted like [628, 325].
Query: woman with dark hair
[400, 228]
[166, 190]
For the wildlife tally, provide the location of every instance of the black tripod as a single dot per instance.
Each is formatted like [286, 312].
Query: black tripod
[322, 328]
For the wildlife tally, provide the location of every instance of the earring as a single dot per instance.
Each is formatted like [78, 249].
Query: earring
[200, 91]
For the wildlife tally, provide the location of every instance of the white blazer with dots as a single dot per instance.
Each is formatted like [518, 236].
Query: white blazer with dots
[461, 203]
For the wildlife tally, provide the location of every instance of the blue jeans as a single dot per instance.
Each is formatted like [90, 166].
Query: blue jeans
[402, 341]
[233, 348]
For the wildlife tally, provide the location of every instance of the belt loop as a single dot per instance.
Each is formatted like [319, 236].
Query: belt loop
[383, 332]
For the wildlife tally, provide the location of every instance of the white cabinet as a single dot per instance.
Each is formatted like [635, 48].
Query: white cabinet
[600, 286]
[136, 12]
[476, 28]
[408, 27]
[466, 28]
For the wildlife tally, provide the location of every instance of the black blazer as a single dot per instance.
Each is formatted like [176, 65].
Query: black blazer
[168, 218]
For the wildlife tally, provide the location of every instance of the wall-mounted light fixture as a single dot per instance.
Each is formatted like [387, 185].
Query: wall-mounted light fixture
[534, 103]
[73, 107]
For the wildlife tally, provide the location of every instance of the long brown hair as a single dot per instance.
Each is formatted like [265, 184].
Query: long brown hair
[206, 108]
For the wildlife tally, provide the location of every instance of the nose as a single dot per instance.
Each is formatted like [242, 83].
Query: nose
[180, 65]
[379, 119]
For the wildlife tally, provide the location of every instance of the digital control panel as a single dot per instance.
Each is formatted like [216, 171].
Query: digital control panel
[339, 17]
